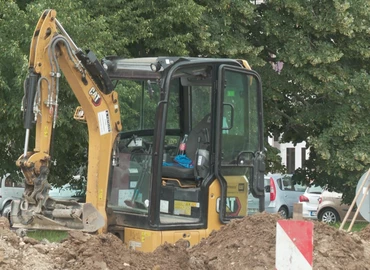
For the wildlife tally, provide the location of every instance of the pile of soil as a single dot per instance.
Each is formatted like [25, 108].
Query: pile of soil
[365, 233]
[247, 243]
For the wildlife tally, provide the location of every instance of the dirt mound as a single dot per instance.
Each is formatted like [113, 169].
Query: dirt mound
[365, 233]
[85, 251]
[248, 243]
[334, 249]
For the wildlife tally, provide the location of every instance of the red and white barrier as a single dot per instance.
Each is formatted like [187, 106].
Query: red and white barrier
[294, 245]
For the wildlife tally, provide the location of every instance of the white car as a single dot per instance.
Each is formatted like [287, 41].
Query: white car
[10, 189]
[310, 201]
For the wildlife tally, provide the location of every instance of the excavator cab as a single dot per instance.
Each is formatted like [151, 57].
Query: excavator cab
[160, 191]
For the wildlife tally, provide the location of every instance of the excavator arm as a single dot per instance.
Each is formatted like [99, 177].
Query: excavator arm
[52, 53]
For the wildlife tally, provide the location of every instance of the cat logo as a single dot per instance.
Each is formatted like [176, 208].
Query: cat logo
[96, 99]
[233, 206]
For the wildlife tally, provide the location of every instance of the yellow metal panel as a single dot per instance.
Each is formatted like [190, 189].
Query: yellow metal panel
[213, 217]
[192, 236]
[148, 241]
[237, 195]
[142, 240]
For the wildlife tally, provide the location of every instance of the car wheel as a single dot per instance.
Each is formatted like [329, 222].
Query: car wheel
[329, 216]
[283, 211]
[6, 211]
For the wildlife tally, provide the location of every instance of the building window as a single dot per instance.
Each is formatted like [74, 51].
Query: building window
[290, 159]
[303, 157]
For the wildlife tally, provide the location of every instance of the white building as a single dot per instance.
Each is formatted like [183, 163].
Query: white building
[292, 156]
[257, 2]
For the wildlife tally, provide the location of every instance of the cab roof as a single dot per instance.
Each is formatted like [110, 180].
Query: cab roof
[151, 67]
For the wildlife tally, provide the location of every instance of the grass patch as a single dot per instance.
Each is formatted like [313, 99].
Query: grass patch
[357, 226]
[51, 236]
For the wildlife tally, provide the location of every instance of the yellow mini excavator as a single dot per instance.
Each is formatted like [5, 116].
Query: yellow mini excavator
[188, 157]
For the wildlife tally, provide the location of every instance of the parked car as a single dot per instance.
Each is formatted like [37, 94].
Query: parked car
[9, 190]
[280, 195]
[332, 210]
[310, 201]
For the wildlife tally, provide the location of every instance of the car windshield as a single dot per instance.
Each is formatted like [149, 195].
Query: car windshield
[286, 183]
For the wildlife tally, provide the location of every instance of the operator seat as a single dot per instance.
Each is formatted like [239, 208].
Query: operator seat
[198, 138]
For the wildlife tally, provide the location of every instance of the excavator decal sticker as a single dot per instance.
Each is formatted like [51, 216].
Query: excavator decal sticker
[96, 99]
[184, 207]
[104, 122]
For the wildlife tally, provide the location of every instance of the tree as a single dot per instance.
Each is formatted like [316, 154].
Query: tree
[12, 71]
[322, 93]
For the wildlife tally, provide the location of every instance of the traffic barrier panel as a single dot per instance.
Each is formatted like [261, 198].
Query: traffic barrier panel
[294, 245]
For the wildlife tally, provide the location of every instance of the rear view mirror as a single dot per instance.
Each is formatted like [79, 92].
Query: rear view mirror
[258, 180]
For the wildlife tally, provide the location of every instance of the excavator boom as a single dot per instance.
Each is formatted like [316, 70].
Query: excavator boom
[52, 53]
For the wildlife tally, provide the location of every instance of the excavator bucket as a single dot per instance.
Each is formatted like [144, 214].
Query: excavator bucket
[56, 215]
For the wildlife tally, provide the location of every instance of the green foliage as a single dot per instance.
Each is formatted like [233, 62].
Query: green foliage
[12, 69]
[322, 93]
[273, 160]
[357, 226]
[225, 30]
[148, 28]
[51, 236]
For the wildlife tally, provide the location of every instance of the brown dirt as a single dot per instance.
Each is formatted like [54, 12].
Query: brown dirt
[365, 233]
[248, 243]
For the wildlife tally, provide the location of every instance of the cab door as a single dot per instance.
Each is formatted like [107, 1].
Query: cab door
[239, 137]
